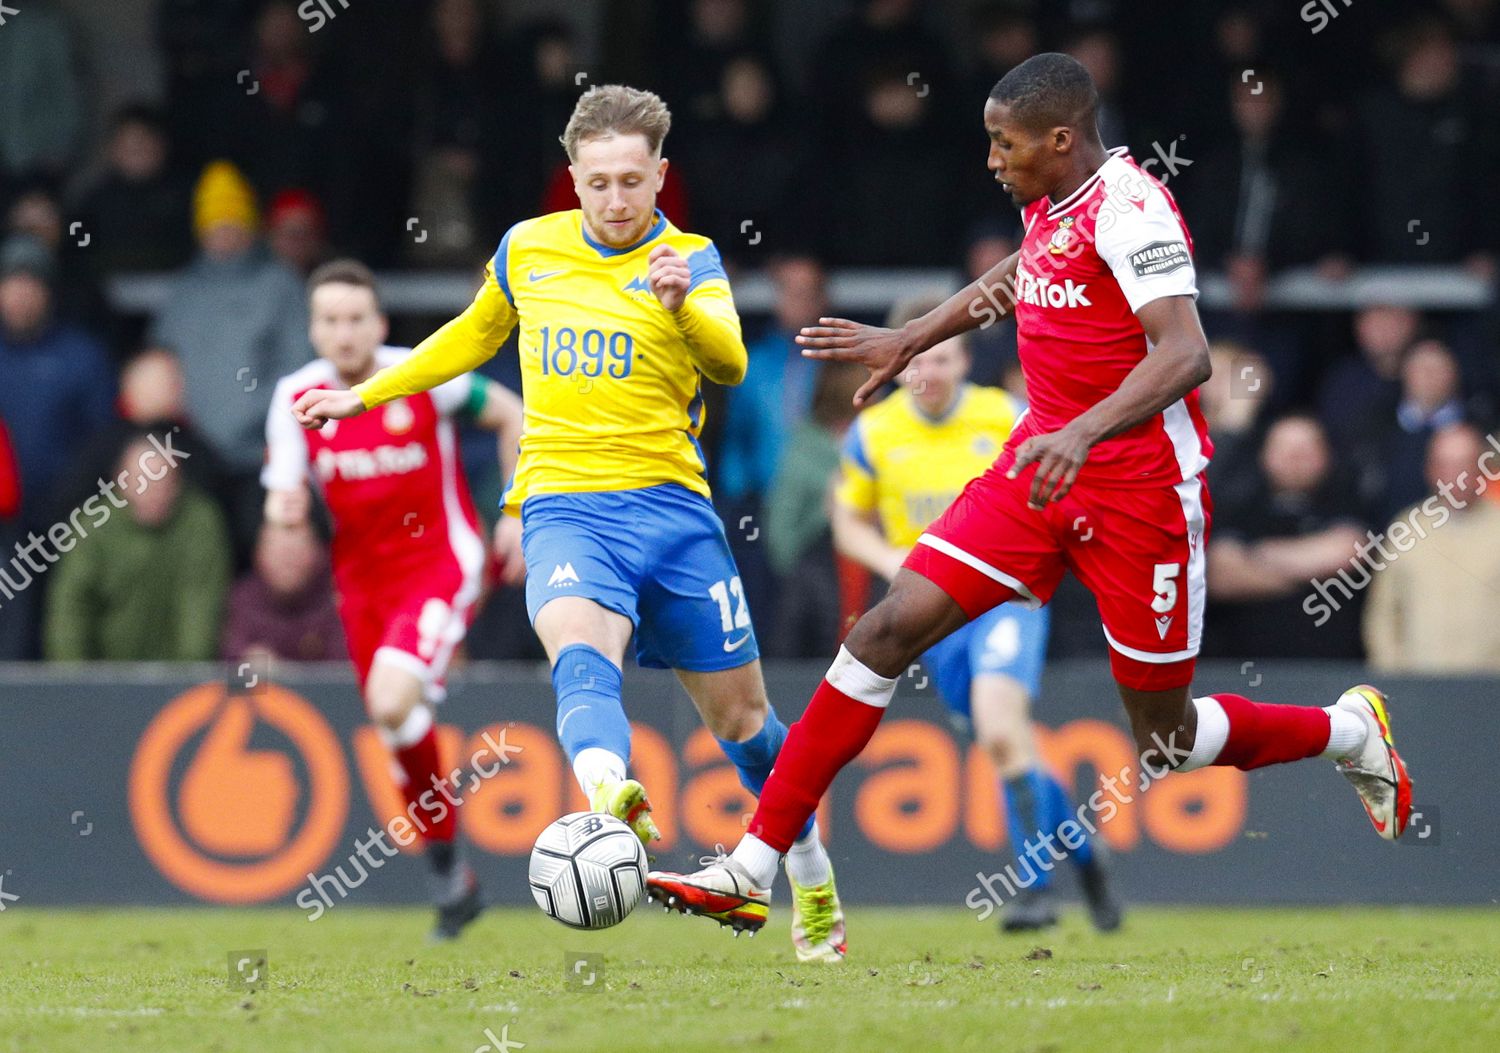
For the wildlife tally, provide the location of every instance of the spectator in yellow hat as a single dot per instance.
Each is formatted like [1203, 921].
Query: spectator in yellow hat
[225, 217]
[237, 320]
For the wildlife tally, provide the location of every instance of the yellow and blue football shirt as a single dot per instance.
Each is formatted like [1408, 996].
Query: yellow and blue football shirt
[610, 378]
[907, 467]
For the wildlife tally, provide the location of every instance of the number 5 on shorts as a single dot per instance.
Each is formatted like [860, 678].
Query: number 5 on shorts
[1163, 583]
[720, 592]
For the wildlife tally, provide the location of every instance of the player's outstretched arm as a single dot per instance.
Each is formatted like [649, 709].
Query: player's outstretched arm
[886, 352]
[1176, 364]
[457, 348]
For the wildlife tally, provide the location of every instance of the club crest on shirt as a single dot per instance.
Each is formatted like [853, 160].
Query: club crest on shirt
[398, 417]
[638, 284]
[1062, 237]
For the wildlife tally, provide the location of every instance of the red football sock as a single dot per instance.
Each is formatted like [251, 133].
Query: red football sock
[831, 733]
[1261, 733]
[420, 763]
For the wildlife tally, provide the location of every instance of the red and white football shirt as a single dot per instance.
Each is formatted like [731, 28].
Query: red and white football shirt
[1087, 264]
[1133, 526]
[408, 556]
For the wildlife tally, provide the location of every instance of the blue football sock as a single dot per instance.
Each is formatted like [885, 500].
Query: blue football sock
[756, 755]
[1025, 819]
[589, 712]
[1057, 810]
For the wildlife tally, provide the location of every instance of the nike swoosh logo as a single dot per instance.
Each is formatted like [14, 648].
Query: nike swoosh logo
[737, 644]
[569, 716]
[534, 276]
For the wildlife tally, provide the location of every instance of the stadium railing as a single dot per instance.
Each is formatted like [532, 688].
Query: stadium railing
[869, 291]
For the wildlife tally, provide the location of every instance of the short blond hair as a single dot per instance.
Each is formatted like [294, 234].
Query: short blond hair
[613, 109]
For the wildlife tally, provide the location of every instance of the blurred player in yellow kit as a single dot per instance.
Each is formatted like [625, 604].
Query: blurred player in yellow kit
[621, 316]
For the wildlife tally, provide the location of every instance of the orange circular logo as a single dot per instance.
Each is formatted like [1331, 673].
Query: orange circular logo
[229, 830]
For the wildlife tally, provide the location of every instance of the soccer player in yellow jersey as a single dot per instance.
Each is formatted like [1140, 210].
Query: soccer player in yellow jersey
[621, 316]
[904, 461]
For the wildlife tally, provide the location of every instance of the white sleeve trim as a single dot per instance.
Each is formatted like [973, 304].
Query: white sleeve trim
[286, 444]
[1146, 246]
[452, 395]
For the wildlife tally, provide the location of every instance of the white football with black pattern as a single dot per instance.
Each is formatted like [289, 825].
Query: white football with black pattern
[588, 870]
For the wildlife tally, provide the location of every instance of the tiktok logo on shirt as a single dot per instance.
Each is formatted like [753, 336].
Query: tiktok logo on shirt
[357, 465]
[1043, 292]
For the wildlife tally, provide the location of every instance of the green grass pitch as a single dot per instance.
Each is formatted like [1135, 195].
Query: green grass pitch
[917, 979]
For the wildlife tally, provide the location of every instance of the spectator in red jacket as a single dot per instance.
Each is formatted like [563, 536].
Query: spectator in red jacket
[17, 621]
[10, 478]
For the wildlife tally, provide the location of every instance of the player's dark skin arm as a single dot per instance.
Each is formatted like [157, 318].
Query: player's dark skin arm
[886, 352]
[1177, 363]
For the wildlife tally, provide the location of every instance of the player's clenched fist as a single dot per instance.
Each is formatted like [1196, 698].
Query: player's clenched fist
[321, 405]
[668, 276]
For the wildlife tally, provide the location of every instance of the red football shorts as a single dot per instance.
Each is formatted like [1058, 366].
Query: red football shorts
[1139, 551]
[414, 623]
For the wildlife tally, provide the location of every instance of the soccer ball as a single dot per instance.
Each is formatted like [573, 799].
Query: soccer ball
[588, 870]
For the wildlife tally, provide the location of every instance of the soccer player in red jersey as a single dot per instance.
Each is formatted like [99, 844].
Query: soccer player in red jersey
[408, 556]
[1104, 475]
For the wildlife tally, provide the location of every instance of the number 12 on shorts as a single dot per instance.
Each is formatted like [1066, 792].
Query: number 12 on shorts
[721, 591]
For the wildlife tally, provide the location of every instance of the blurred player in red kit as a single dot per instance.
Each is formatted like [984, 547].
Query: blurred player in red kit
[1103, 476]
[408, 556]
